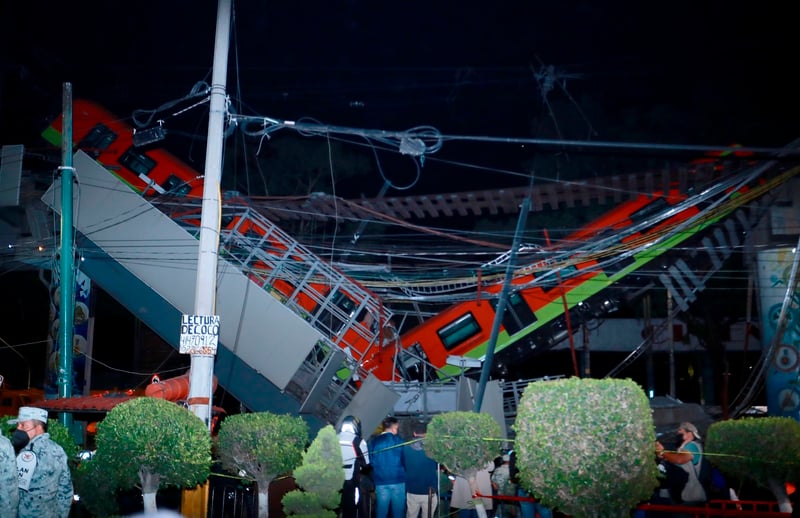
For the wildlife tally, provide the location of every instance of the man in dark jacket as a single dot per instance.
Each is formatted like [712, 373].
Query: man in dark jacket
[422, 493]
[388, 470]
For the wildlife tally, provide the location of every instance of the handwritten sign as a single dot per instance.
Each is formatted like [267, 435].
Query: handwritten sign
[199, 334]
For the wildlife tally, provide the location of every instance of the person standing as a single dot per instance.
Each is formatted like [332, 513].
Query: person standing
[422, 482]
[504, 486]
[45, 485]
[689, 457]
[9, 494]
[355, 462]
[388, 470]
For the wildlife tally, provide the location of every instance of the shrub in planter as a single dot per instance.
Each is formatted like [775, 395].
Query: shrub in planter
[153, 443]
[263, 445]
[765, 450]
[585, 446]
[464, 442]
[320, 477]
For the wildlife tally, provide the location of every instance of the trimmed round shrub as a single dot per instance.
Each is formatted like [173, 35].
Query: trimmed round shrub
[765, 450]
[153, 443]
[586, 447]
[464, 442]
[262, 446]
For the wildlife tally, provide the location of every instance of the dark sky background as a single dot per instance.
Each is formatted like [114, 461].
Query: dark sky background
[709, 72]
[719, 71]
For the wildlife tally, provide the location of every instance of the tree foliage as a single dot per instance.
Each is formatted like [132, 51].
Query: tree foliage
[155, 443]
[320, 476]
[262, 444]
[300, 504]
[765, 450]
[586, 446]
[464, 442]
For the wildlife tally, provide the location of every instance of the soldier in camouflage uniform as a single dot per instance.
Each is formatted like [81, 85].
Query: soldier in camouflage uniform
[9, 494]
[45, 486]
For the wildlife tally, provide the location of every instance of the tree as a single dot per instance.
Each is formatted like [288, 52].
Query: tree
[155, 443]
[263, 445]
[464, 442]
[586, 446]
[320, 476]
[765, 450]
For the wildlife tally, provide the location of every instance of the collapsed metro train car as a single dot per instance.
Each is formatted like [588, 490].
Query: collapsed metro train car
[565, 286]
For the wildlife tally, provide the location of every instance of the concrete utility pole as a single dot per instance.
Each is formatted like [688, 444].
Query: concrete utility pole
[66, 302]
[202, 363]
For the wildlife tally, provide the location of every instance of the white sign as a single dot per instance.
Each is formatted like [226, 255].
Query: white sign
[199, 334]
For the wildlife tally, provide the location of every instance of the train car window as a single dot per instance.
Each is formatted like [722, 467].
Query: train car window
[334, 321]
[518, 314]
[552, 280]
[98, 138]
[137, 162]
[456, 332]
[616, 266]
[176, 186]
[650, 209]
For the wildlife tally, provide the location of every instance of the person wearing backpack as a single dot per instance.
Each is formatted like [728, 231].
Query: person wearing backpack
[688, 457]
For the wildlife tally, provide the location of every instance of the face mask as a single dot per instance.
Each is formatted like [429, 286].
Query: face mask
[19, 439]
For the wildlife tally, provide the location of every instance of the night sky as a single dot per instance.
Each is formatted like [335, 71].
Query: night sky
[711, 72]
[464, 67]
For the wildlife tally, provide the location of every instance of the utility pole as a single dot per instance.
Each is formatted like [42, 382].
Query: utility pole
[501, 305]
[66, 302]
[202, 353]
